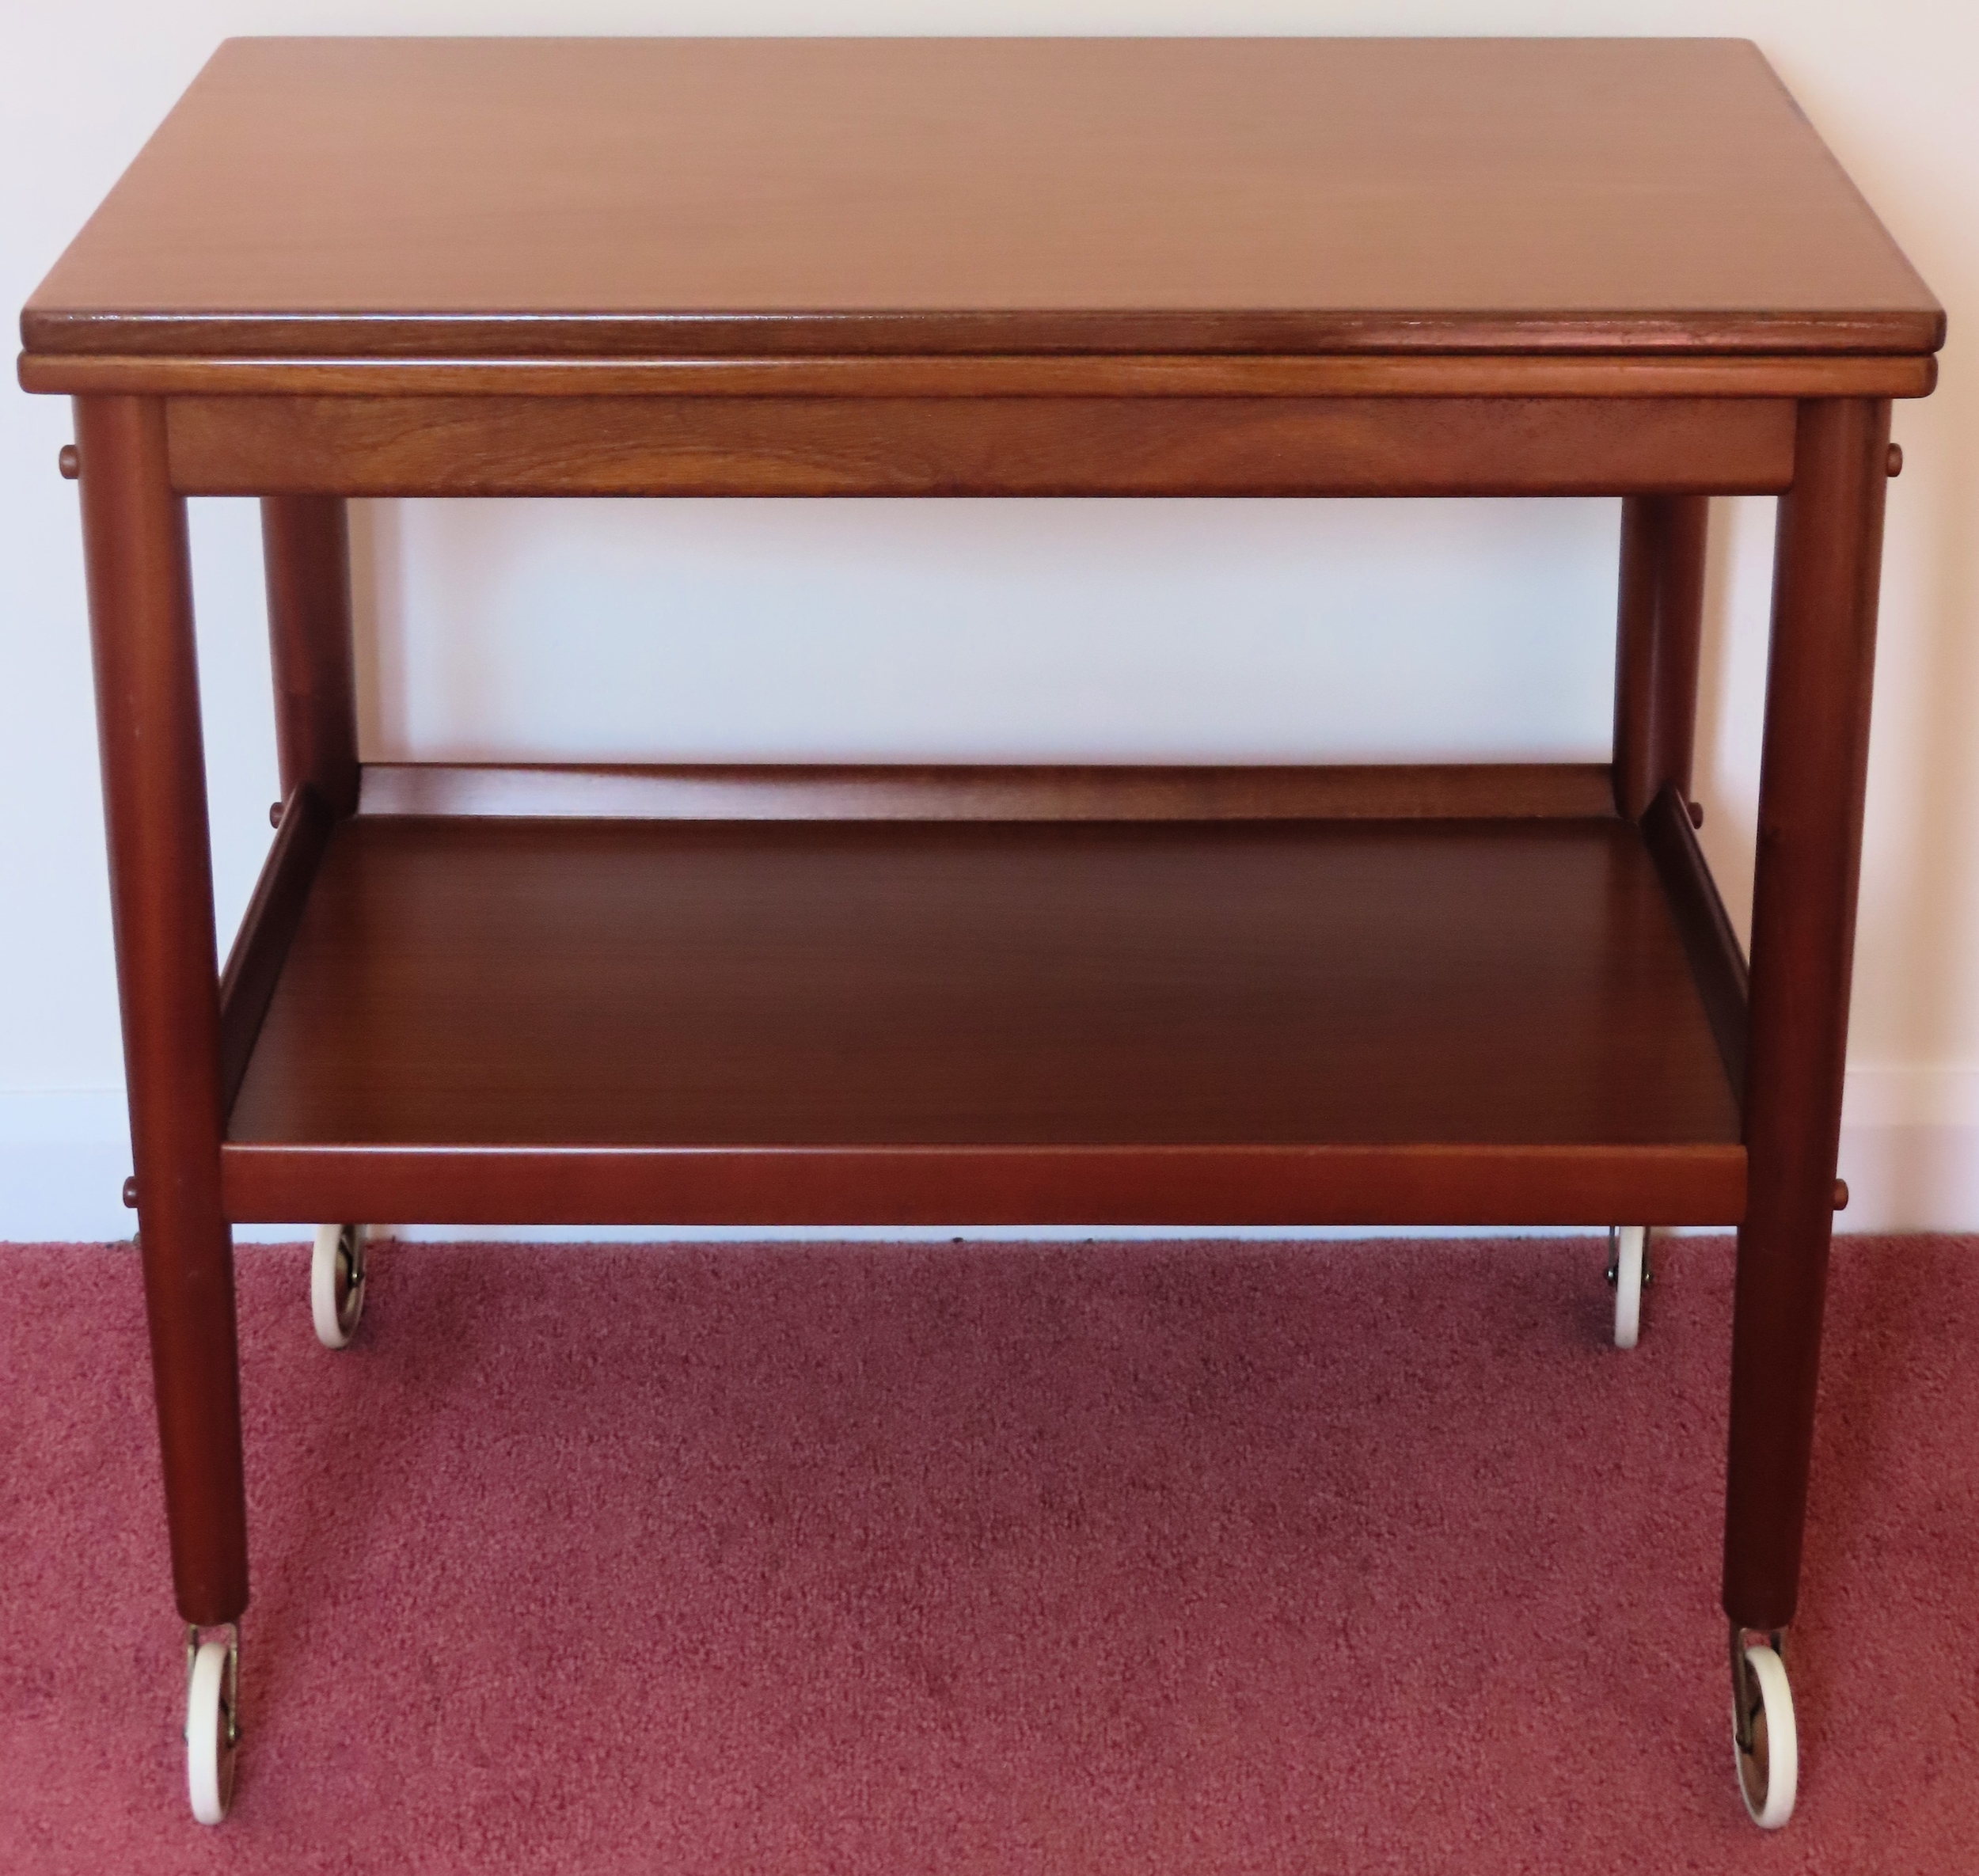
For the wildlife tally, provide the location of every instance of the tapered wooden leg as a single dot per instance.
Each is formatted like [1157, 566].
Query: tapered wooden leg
[1811, 800]
[305, 543]
[1659, 633]
[161, 900]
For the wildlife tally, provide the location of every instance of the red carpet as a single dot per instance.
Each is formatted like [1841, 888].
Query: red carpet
[1168, 1558]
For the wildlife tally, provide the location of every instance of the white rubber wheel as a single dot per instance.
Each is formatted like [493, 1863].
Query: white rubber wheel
[1631, 1243]
[1767, 1774]
[210, 1735]
[336, 1282]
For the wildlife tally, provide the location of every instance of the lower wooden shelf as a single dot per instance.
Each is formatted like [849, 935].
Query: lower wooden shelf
[1299, 1021]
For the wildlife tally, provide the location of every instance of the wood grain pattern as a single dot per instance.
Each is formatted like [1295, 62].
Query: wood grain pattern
[749, 990]
[982, 446]
[956, 792]
[1813, 374]
[549, 198]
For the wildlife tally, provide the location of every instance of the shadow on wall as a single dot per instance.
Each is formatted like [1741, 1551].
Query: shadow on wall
[1186, 631]
[1941, 883]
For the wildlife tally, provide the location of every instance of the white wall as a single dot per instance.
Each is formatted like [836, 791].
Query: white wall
[1196, 631]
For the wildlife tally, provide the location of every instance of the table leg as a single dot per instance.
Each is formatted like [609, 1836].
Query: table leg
[1657, 646]
[305, 543]
[161, 900]
[1815, 758]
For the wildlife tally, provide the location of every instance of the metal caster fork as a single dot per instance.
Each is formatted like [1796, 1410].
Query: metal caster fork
[1628, 1276]
[212, 1720]
[1765, 1744]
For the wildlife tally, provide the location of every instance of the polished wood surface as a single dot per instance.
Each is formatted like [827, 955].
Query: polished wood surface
[1211, 1187]
[147, 691]
[982, 446]
[756, 987]
[962, 791]
[1097, 374]
[1710, 941]
[261, 946]
[305, 550]
[546, 198]
[1659, 639]
[1812, 769]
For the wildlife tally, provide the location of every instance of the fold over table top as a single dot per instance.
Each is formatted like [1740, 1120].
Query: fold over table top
[586, 200]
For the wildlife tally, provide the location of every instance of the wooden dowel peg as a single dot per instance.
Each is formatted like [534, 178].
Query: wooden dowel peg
[70, 462]
[1895, 462]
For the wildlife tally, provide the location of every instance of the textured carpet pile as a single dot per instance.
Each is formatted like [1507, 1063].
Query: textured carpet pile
[1164, 1558]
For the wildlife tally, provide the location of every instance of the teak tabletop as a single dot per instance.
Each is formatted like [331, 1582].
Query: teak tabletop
[559, 199]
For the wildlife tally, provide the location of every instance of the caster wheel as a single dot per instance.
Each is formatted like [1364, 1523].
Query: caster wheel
[212, 1729]
[1765, 1745]
[336, 1282]
[1627, 1270]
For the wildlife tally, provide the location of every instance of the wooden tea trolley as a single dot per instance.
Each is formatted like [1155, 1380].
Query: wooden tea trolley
[1499, 995]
